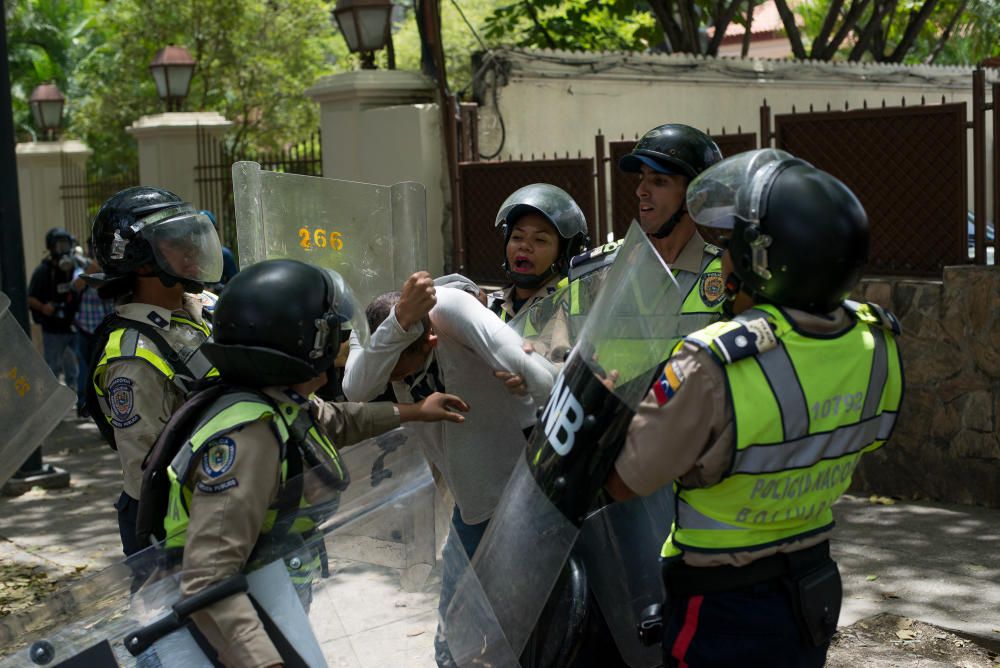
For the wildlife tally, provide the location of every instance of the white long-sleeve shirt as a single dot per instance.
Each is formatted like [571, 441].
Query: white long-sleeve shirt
[477, 456]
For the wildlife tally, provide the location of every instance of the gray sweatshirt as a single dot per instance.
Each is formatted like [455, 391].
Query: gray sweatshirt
[477, 456]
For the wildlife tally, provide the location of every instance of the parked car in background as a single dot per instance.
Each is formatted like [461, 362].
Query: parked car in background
[990, 238]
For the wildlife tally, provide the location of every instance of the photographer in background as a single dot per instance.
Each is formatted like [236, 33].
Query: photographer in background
[53, 302]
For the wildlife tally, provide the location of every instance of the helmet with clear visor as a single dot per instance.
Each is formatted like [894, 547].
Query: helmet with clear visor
[797, 236]
[281, 322]
[151, 227]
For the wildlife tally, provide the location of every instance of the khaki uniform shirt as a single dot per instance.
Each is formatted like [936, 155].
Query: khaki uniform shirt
[227, 513]
[691, 437]
[548, 331]
[151, 398]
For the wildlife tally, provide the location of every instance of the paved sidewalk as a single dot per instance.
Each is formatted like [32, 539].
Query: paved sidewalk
[932, 562]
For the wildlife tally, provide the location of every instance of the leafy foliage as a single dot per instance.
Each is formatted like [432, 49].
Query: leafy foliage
[45, 39]
[255, 60]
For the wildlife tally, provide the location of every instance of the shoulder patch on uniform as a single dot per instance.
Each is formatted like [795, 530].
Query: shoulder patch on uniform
[121, 400]
[219, 457]
[750, 338]
[594, 259]
[712, 288]
[157, 319]
[873, 314]
[217, 488]
[713, 250]
[668, 383]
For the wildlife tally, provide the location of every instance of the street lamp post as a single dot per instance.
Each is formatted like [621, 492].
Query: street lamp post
[366, 27]
[46, 104]
[172, 69]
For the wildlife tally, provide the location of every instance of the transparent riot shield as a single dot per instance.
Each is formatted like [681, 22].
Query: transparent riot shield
[336, 595]
[32, 400]
[374, 236]
[620, 347]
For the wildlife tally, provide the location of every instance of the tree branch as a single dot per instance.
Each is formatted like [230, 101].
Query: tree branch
[690, 26]
[850, 23]
[722, 22]
[946, 35]
[832, 12]
[792, 30]
[867, 33]
[747, 36]
[671, 30]
[533, 15]
[913, 27]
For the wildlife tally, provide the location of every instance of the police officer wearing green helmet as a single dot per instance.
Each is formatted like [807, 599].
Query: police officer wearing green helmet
[759, 422]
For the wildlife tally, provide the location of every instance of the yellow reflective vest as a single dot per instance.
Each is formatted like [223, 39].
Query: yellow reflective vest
[805, 410]
[303, 445]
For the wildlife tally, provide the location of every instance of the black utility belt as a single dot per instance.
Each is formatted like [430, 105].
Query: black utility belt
[681, 579]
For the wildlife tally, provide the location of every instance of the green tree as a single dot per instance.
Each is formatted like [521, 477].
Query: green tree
[255, 60]
[45, 40]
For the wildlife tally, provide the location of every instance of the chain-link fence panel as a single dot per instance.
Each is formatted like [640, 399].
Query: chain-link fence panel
[907, 165]
[485, 185]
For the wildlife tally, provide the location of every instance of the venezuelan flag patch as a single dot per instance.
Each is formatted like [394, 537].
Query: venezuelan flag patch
[668, 383]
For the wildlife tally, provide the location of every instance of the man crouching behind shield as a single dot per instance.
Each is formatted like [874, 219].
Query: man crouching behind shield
[237, 472]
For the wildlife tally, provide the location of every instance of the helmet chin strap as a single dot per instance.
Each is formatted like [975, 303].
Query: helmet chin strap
[668, 227]
[531, 281]
[170, 281]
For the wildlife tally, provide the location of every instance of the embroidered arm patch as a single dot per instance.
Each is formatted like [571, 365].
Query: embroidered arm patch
[121, 401]
[669, 382]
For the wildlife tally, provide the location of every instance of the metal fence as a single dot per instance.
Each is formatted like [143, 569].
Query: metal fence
[82, 194]
[485, 185]
[214, 173]
[907, 164]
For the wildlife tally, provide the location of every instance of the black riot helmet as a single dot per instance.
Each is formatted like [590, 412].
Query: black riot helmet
[797, 236]
[673, 148]
[151, 227]
[557, 207]
[59, 241]
[279, 322]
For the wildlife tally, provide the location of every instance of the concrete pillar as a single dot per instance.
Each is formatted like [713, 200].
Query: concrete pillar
[382, 126]
[168, 149]
[39, 182]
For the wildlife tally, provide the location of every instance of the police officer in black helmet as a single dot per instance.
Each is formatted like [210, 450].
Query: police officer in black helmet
[278, 329]
[767, 416]
[665, 160]
[157, 252]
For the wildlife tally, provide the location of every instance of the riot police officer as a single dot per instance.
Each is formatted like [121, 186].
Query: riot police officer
[156, 252]
[767, 417]
[543, 228]
[666, 159]
[277, 333]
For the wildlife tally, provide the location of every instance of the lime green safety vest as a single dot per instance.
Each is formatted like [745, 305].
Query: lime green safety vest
[302, 443]
[123, 342]
[805, 409]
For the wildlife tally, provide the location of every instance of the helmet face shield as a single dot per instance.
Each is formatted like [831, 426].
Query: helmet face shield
[346, 314]
[185, 246]
[735, 188]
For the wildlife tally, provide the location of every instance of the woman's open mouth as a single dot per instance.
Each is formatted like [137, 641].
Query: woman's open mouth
[523, 265]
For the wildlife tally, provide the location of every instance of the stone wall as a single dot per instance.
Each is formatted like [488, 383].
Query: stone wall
[946, 445]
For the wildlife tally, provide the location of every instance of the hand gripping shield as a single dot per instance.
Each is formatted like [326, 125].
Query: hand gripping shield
[32, 400]
[620, 347]
[374, 236]
[353, 590]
